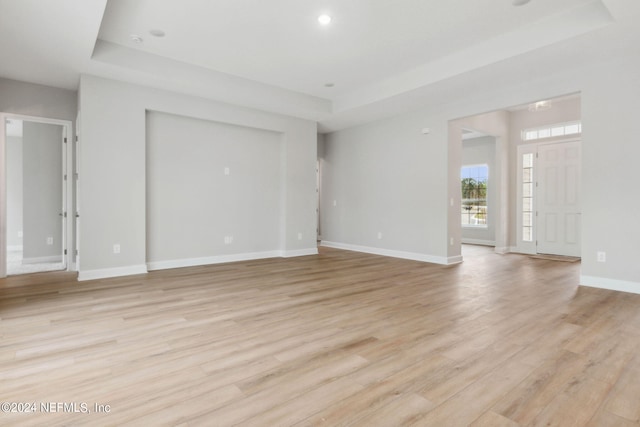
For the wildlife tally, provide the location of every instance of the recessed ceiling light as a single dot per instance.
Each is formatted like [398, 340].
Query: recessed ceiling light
[324, 19]
[329, 84]
[136, 38]
[520, 2]
[157, 33]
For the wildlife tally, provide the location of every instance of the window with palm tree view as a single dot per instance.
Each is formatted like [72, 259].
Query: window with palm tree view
[474, 195]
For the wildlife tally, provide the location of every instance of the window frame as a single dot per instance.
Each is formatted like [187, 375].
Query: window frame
[533, 134]
[486, 224]
[524, 246]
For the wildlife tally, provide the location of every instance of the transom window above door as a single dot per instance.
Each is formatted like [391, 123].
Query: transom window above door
[552, 131]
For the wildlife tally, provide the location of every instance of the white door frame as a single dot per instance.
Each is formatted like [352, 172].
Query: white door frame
[67, 188]
[522, 246]
[76, 208]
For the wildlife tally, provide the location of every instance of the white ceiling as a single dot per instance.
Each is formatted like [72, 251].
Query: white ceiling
[48, 42]
[381, 56]
[280, 42]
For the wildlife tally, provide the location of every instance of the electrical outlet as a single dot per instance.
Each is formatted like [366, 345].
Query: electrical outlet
[379, 235]
[335, 203]
[451, 241]
[227, 171]
[299, 236]
[602, 256]
[49, 241]
[116, 248]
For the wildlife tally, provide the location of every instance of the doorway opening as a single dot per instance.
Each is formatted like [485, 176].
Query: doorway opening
[536, 209]
[36, 194]
[478, 188]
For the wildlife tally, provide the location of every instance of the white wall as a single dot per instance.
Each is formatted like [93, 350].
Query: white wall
[14, 192]
[320, 146]
[610, 151]
[193, 205]
[37, 100]
[112, 188]
[387, 173]
[321, 151]
[383, 178]
[42, 192]
[482, 151]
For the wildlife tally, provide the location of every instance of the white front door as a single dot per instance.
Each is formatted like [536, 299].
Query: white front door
[558, 199]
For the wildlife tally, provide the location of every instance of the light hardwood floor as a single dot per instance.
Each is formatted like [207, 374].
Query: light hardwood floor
[337, 339]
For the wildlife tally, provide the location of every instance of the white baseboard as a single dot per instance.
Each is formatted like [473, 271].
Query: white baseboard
[42, 259]
[478, 242]
[611, 284]
[454, 260]
[111, 272]
[299, 252]
[217, 259]
[393, 253]
[221, 259]
[190, 262]
[14, 248]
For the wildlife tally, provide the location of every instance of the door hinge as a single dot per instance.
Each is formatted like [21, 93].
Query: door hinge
[77, 215]
[65, 177]
[76, 175]
[65, 251]
[65, 139]
[76, 252]
[76, 138]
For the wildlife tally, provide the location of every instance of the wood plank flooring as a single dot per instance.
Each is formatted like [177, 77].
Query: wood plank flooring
[338, 339]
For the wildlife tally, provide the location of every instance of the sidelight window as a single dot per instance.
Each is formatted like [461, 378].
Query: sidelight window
[527, 197]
